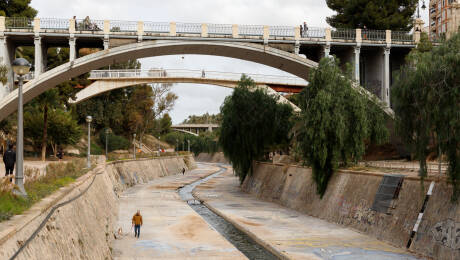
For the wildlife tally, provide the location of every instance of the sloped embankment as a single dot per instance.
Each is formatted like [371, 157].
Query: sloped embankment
[349, 200]
[82, 229]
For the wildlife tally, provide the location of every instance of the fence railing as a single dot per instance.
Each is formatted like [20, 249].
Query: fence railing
[432, 168]
[313, 32]
[220, 29]
[54, 24]
[401, 36]
[251, 30]
[18, 23]
[154, 27]
[344, 34]
[282, 31]
[188, 28]
[196, 28]
[195, 74]
[123, 26]
[373, 35]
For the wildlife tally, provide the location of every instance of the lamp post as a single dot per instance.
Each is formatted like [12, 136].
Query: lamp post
[177, 145]
[21, 67]
[107, 132]
[134, 146]
[188, 141]
[88, 120]
[418, 8]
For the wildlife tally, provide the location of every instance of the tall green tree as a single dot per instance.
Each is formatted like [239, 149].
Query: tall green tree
[17, 8]
[426, 98]
[335, 122]
[252, 122]
[373, 14]
[63, 129]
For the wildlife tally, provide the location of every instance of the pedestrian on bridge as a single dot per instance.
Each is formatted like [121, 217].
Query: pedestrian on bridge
[9, 159]
[137, 223]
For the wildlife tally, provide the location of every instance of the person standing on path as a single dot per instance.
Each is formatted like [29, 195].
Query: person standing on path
[9, 159]
[183, 171]
[137, 223]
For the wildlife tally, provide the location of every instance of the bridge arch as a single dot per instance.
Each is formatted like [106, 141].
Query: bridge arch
[258, 53]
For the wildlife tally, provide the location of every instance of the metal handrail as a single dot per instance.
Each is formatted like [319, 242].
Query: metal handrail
[18, 23]
[344, 34]
[54, 24]
[220, 29]
[313, 32]
[251, 30]
[401, 36]
[282, 31]
[188, 28]
[156, 27]
[123, 26]
[373, 35]
[195, 74]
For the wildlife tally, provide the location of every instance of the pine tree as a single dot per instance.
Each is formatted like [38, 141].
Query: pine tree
[17, 8]
[373, 14]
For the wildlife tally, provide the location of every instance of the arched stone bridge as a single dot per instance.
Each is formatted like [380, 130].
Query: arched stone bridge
[275, 46]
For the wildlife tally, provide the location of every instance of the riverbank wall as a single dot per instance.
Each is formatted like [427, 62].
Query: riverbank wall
[83, 228]
[349, 198]
[212, 158]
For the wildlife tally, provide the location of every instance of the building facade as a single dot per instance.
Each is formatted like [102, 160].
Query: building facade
[444, 18]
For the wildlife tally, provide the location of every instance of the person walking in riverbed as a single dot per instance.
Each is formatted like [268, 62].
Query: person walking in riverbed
[9, 159]
[137, 223]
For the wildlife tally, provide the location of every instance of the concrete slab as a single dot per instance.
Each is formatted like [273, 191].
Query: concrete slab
[289, 233]
[171, 230]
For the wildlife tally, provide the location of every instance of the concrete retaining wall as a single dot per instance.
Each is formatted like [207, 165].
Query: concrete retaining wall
[211, 158]
[83, 228]
[348, 201]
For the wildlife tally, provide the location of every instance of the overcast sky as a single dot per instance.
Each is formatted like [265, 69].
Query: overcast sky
[196, 99]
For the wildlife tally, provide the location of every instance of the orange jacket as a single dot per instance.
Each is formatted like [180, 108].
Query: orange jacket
[137, 219]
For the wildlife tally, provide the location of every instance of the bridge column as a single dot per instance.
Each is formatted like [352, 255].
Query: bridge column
[38, 58]
[140, 31]
[327, 49]
[106, 34]
[6, 57]
[72, 49]
[386, 79]
[357, 60]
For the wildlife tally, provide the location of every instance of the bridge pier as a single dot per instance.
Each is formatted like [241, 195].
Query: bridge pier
[386, 79]
[357, 64]
[72, 49]
[6, 57]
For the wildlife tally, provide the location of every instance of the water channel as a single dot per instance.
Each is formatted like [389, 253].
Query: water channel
[240, 240]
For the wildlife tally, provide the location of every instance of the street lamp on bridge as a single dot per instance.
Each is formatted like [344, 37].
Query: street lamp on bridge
[21, 67]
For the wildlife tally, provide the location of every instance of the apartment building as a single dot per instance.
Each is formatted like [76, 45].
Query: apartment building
[444, 18]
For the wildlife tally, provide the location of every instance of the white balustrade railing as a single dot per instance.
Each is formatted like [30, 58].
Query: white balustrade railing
[213, 30]
[194, 74]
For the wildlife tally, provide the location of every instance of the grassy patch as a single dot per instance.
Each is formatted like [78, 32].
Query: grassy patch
[38, 187]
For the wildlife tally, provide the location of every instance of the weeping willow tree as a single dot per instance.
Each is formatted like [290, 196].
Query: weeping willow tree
[426, 98]
[252, 122]
[335, 122]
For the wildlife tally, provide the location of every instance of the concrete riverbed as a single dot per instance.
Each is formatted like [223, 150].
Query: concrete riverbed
[173, 230]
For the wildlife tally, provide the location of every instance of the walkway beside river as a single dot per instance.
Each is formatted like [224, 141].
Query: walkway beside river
[287, 232]
[172, 229]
